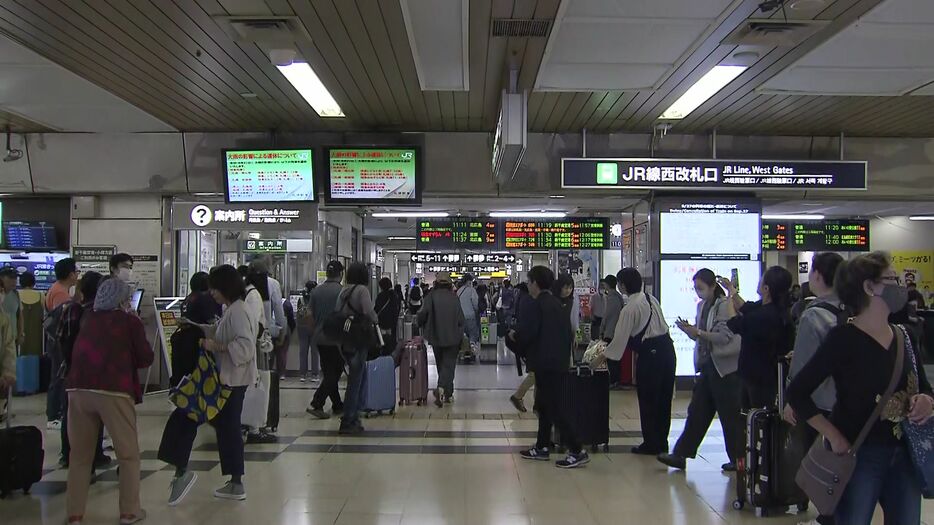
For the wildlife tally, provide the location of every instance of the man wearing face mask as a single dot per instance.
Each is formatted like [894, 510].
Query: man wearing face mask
[861, 357]
[121, 267]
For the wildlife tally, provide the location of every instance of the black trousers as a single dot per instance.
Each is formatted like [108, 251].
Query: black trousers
[655, 387]
[713, 395]
[760, 394]
[332, 366]
[180, 432]
[550, 391]
[595, 324]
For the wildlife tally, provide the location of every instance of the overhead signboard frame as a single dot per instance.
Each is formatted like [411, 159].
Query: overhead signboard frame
[713, 174]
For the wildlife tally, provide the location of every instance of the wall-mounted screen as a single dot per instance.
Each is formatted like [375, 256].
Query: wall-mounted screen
[710, 230]
[831, 235]
[30, 236]
[269, 175]
[458, 232]
[679, 299]
[557, 234]
[42, 265]
[373, 175]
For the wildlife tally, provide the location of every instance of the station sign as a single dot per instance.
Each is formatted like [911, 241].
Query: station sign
[474, 269]
[490, 258]
[712, 174]
[265, 245]
[93, 258]
[220, 216]
[436, 257]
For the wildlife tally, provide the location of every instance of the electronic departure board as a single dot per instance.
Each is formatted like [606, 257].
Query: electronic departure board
[30, 236]
[284, 175]
[373, 175]
[557, 234]
[835, 235]
[458, 232]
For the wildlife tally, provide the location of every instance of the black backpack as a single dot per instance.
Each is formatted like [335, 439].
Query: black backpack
[184, 343]
[842, 315]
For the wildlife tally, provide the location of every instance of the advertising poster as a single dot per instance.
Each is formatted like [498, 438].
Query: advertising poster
[169, 311]
[916, 267]
[146, 273]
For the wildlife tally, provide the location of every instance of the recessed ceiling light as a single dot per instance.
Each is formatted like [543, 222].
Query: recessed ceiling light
[921, 218]
[793, 217]
[400, 238]
[556, 196]
[708, 86]
[309, 86]
[248, 94]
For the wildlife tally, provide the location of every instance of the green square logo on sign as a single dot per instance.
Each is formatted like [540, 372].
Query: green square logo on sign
[607, 173]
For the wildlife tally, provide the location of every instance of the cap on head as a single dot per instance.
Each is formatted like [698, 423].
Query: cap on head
[443, 278]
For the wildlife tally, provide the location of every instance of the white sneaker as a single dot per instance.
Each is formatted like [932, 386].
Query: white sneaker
[55, 424]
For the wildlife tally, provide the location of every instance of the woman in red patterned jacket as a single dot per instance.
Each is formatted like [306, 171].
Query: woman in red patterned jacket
[103, 386]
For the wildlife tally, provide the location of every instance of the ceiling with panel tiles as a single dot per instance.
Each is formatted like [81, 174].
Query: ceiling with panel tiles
[818, 67]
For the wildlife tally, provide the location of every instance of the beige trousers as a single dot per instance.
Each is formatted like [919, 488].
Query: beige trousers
[86, 411]
[526, 385]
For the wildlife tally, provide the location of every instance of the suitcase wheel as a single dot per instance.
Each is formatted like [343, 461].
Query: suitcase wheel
[738, 504]
[392, 411]
[606, 447]
[803, 507]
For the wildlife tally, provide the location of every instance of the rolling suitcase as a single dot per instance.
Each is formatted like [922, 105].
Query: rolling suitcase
[765, 476]
[21, 455]
[587, 404]
[379, 386]
[27, 374]
[413, 373]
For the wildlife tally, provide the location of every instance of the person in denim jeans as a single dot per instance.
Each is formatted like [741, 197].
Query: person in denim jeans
[860, 357]
[355, 299]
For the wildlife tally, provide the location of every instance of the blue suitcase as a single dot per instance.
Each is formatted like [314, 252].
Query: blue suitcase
[27, 374]
[379, 386]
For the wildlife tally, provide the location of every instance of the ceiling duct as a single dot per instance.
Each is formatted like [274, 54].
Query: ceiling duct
[266, 29]
[519, 27]
[773, 33]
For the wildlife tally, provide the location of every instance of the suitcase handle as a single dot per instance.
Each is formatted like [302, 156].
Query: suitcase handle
[9, 407]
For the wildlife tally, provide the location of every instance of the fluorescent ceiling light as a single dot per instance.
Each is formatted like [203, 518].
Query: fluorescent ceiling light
[815, 217]
[400, 238]
[411, 214]
[921, 218]
[309, 86]
[708, 86]
[528, 214]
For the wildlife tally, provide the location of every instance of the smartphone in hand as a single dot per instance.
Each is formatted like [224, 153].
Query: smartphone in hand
[734, 278]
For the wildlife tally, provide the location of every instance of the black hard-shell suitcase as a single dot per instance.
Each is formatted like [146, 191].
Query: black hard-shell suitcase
[587, 405]
[765, 476]
[21, 455]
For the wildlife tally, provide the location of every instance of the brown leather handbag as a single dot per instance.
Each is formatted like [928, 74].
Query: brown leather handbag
[823, 474]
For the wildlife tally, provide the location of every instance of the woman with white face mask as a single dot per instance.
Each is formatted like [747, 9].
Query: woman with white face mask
[860, 357]
[717, 386]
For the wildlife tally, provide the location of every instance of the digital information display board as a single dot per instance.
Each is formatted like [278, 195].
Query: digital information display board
[373, 175]
[285, 175]
[712, 174]
[557, 234]
[30, 236]
[458, 232]
[724, 236]
[831, 235]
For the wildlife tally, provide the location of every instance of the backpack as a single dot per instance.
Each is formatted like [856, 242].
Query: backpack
[842, 315]
[184, 343]
[508, 299]
[305, 318]
[353, 329]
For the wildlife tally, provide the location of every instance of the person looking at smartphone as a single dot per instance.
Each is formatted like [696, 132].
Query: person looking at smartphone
[717, 385]
[860, 356]
[766, 331]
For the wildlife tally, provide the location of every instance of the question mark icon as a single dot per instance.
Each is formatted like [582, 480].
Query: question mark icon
[201, 215]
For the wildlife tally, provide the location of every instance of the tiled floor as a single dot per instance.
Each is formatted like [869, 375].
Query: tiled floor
[424, 466]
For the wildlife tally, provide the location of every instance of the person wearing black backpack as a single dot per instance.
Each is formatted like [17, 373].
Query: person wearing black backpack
[821, 316]
[354, 300]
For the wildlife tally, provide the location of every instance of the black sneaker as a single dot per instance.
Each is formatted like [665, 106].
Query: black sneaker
[728, 467]
[673, 461]
[256, 438]
[351, 430]
[102, 461]
[318, 413]
[535, 453]
[574, 460]
[338, 411]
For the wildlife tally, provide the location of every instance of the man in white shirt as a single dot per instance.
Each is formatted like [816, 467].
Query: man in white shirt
[642, 327]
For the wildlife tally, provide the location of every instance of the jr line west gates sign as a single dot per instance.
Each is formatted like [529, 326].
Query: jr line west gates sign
[712, 174]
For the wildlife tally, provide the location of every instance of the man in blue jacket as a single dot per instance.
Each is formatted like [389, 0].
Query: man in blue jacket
[547, 335]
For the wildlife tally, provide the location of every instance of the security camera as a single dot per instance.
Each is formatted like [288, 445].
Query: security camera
[770, 5]
[12, 155]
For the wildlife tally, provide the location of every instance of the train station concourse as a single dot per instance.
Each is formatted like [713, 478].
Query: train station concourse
[466, 262]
